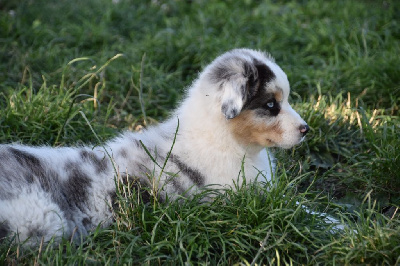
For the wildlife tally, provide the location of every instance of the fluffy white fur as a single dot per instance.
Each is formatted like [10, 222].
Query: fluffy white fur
[236, 108]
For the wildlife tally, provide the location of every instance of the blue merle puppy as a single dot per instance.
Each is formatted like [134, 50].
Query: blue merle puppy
[236, 108]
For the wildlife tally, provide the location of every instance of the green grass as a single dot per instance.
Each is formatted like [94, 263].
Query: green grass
[58, 61]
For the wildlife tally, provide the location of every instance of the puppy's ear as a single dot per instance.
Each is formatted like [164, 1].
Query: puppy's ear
[237, 88]
[233, 96]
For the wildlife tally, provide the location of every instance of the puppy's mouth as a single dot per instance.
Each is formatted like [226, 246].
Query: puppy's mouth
[272, 143]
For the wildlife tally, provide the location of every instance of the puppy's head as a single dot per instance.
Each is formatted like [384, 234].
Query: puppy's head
[253, 94]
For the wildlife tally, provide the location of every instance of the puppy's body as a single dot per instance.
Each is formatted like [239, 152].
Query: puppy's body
[236, 108]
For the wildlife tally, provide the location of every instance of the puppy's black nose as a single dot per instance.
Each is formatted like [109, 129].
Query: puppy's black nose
[304, 129]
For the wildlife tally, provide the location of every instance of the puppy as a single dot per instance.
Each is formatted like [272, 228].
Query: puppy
[236, 108]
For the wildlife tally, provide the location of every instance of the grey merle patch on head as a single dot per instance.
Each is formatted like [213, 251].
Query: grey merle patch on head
[244, 81]
[257, 80]
[255, 71]
[259, 99]
[224, 71]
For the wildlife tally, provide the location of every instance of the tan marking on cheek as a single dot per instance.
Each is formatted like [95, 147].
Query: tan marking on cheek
[249, 129]
[279, 95]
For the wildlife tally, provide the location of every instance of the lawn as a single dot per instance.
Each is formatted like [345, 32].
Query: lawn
[79, 72]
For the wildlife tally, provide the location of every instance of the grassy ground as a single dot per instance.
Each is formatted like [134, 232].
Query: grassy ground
[59, 59]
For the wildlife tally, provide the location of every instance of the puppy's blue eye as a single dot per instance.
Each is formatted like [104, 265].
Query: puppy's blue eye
[271, 104]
